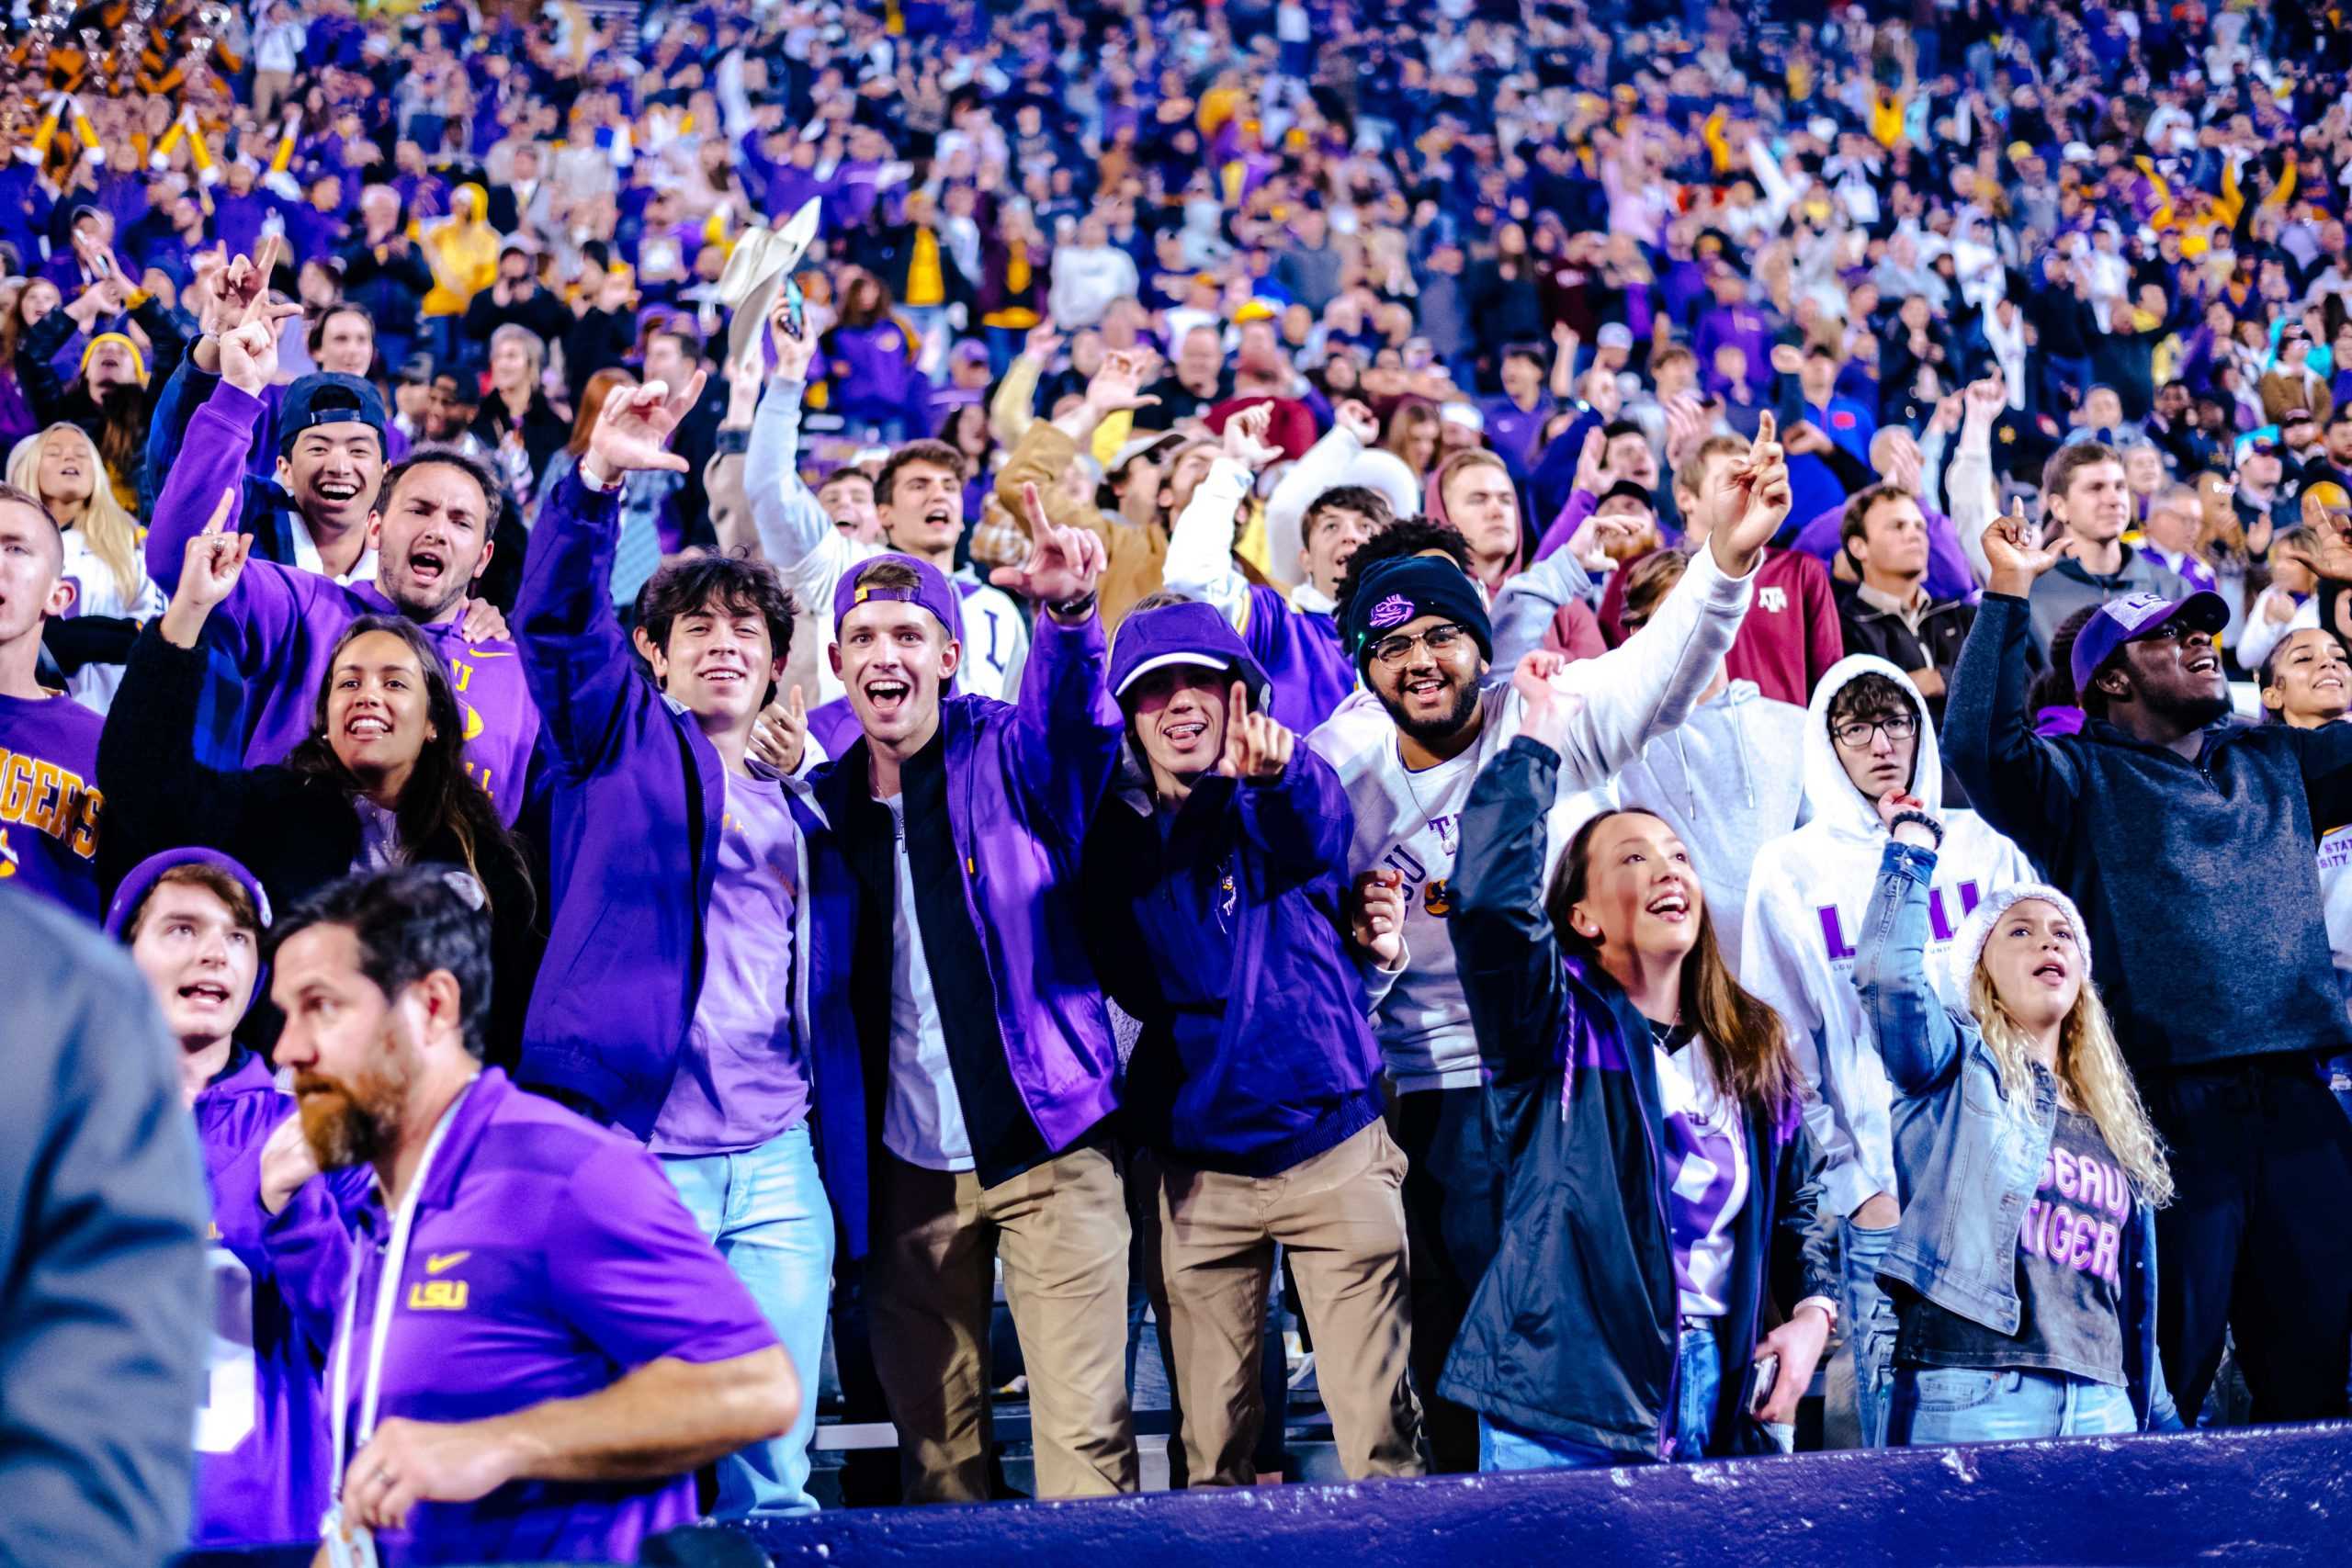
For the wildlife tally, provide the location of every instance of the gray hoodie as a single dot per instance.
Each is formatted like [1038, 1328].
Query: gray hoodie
[1728, 781]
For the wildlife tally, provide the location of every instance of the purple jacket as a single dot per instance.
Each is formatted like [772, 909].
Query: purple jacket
[1948, 573]
[1024, 782]
[634, 792]
[264, 1461]
[278, 626]
[1301, 652]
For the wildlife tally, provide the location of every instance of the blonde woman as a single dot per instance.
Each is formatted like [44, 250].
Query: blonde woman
[2024, 1268]
[103, 555]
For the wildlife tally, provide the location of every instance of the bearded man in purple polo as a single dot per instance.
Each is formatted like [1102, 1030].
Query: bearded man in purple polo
[537, 1346]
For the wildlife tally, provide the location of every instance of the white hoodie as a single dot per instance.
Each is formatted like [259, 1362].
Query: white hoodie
[1806, 895]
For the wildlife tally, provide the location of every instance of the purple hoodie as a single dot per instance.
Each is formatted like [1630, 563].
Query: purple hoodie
[280, 623]
[263, 1461]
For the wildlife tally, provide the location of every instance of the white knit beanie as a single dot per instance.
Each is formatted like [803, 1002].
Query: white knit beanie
[1977, 930]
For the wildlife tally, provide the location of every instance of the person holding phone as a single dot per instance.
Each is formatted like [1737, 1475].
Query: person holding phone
[1659, 1182]
[2024, 1266]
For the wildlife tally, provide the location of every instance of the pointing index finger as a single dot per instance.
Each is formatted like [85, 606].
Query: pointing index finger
[1767, 430]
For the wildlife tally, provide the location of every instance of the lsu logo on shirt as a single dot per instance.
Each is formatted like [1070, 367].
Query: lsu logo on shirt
[433, 1293]
[52, 800]
[1417, 882]
[1940, 920]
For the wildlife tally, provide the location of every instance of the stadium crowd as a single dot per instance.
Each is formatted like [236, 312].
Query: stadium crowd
[1647, 699]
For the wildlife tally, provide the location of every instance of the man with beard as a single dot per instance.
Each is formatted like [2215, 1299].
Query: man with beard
[195, 920]
[1421, 638]
[538, 1347]
[2186, 838]
[431, 531]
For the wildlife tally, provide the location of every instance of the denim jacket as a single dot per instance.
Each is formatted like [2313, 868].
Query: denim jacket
[1966, 1162]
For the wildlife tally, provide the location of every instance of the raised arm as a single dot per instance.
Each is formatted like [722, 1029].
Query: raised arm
[158, 794]
[582, 672]
[1200, 548]
[2021, 784]
[1968, 478]
[1291, 802]
[1503, 941]
[1065, 729]
[1903, 1018]
[795, 537]
[1524, 609]
[1322, 465]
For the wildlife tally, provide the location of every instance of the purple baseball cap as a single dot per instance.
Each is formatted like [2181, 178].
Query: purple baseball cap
[934, 592]
[2136, 616]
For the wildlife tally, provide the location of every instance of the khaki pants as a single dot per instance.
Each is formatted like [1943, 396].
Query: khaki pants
[1062, 1231]
[1342, 1219]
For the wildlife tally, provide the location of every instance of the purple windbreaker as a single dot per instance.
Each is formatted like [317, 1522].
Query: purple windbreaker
[280, 623]
[263, 1456]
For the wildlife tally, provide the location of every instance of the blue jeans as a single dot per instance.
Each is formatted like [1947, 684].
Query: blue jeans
[764, 1209]
[1962, 1405]
[1504, 1447]
[1869, 1316]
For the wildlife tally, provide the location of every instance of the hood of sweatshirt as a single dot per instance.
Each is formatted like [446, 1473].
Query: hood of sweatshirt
[1832, 794]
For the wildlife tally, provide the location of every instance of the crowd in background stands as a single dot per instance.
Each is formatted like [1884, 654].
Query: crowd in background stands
[1582, 500]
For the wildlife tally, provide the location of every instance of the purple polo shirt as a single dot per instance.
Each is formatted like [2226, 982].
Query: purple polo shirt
[550, 1259]
[741, 1077]
[49, 805]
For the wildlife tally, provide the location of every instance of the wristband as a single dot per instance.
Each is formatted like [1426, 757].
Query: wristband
[594, 481]
[1934, 828]
[1824, 1303]
[1072, 609]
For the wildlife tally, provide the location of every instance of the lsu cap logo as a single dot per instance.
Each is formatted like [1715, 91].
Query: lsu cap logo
[2135, 610]
[1393, 611]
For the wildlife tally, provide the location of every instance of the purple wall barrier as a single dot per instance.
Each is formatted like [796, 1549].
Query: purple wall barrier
[2248, 1496]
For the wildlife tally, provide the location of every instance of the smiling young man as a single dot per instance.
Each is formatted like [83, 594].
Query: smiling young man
[195, 921]
[1216, 890]
[49, 743]
[2084, 491]
[2186, 838]
[537, 1347]
[919, 495]
[431, 531]
[1422, 641]
[675, 997]
[1293, 636]
[1866, 732]
[980, 1033]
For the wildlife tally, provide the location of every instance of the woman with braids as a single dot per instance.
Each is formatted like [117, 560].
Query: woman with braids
[2024, 1266]
[380, 780]
[1658, 1189]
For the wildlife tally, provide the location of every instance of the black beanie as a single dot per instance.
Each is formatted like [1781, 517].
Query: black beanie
[1397, 592]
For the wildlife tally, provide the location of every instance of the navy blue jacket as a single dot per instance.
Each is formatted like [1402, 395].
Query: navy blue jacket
[1573, 1331]
[1218, 925]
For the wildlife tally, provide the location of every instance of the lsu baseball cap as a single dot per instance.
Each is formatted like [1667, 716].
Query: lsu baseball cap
[2136, 616]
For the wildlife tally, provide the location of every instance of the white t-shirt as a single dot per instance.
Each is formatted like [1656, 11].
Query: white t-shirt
[1705, 1151]
[98, 592]
[922, 1120]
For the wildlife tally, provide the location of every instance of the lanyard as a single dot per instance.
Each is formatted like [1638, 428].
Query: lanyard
[388, 1290]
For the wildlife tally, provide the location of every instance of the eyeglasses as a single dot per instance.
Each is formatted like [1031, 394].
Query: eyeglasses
[1855, 734]
[1441, 640]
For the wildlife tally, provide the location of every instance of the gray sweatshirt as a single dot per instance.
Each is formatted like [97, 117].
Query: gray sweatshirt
[1729, 781]
[103, 1216]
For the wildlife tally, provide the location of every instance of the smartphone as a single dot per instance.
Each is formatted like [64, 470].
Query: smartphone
[1762, 1374]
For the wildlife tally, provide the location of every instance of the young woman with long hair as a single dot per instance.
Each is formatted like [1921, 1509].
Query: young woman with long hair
[1658, 1181]
[379, 780]
[61, 465]
[2024, 1268]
